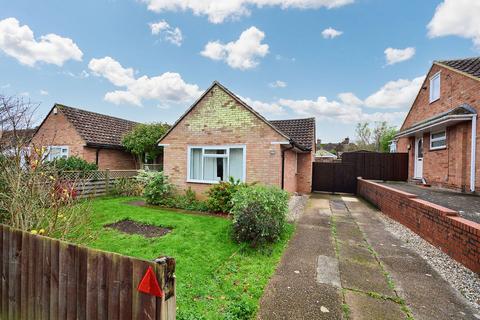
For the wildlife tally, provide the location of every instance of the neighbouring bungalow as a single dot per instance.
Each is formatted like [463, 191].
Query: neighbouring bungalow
[220, 136]
[440, 131]
[324, 156]
[94, 137]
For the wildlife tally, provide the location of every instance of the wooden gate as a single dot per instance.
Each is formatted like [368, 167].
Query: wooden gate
[342, 176]
[44, 278]
[334, 177]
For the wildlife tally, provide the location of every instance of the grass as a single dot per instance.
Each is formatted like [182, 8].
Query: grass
[216, 278]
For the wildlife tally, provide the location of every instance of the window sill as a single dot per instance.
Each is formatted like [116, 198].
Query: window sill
[432, 101]
[438, 148]
[202, 181]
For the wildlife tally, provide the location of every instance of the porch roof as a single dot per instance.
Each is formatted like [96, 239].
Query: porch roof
[442, 120]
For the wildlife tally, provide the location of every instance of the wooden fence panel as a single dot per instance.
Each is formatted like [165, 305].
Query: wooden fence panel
[44, 278]
[342, 176]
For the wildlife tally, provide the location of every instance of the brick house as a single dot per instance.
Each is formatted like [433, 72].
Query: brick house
[221, 136]
[94, 137]
[440, 131]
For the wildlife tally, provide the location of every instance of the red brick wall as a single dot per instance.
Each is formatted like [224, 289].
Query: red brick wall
[218, 119]
[442, 227]
[450, 167]
[110, 159]
[290, 177]
[58, 131]
[304, 176]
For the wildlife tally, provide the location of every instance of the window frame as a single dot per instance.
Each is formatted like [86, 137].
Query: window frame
[432, 79]
[49, 148]
[438, 139]
[226, 155]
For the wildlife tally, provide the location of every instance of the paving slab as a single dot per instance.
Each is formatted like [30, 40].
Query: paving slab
[327, 271]
[426, 293]
[293, 292]
[364, 307]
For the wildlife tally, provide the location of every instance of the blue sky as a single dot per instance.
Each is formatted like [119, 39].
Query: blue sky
[148, 60]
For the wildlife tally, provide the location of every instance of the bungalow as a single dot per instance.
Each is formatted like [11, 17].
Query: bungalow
[220, 136]
[94, 137]
[440, 131]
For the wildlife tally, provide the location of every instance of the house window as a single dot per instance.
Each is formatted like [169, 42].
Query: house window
[56, 152]
[212, 164]
[438, 140]
[435, 87]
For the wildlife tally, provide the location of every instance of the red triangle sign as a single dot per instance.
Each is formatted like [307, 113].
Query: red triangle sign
[149, 284]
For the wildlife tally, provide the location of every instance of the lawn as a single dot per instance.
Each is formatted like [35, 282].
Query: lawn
[216, 278]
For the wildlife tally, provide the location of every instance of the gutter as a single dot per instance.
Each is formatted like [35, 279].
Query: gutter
[436, 122]
[473, 153]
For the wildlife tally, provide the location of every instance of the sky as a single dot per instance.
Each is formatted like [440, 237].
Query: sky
[341, 61]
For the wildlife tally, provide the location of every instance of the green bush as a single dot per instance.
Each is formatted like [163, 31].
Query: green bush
[188, 201]
[220, 195]
[158, 190]
[259, 214]
[127, 187]
[72, 164]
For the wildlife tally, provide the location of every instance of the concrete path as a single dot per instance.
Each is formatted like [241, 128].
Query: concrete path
[342, 264]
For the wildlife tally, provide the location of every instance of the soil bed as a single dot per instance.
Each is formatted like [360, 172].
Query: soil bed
[133, 227]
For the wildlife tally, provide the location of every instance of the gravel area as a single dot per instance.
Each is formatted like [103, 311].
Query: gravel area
[296, 206]
[464, 280]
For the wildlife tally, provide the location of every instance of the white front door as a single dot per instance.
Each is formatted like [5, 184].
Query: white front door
[418, 172]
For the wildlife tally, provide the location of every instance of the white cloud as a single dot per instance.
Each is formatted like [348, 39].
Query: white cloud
[398, 55]
[395, 94]
[456, 18]
[331, 33]
[240, 54]
[278, 84]
[218, 11]
[264, 107]
[349, 108]
[19, 42]
[44, 92]
[170, 34]
[165, 88]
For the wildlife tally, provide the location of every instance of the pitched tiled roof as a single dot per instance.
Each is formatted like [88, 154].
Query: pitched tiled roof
[469, 65]
[301, 131]
[97, 129]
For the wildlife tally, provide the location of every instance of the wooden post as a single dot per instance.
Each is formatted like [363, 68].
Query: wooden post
[107, 181]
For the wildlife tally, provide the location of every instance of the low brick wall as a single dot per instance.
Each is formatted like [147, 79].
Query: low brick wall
[442, 227]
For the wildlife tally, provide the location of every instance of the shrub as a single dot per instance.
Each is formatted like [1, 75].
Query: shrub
[220, 195]
[259, 214]
[187, 201]
[127, 187]
[72, 164]
[158, 190]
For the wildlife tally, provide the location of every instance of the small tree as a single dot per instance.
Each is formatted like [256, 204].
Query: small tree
[364, 136]
[142, 140]
[386, 139]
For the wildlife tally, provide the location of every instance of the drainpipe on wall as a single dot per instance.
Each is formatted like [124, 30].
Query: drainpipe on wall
[473, 153]
[283, 164]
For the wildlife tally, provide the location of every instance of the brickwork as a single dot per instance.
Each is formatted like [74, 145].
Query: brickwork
[442, 227]
[56, 130]
[218, 119]
[448, 167]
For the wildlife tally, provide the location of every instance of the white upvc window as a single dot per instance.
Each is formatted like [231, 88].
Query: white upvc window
[438, 140]
[56, 152]
[212, 164]
[435, 87]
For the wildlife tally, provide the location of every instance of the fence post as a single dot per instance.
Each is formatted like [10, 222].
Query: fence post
[107, 181]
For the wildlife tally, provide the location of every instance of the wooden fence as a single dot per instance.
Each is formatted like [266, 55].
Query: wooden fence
[95, 183]
[44, 278]
[342, 176]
